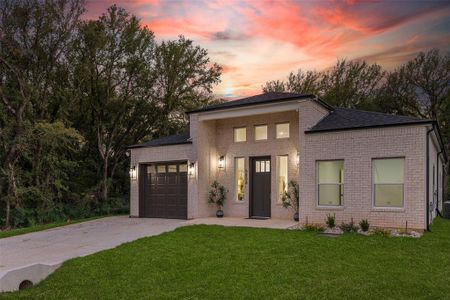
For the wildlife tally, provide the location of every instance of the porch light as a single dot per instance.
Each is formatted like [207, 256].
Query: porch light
[297, 158]
[191, 169]
[221, 163]
[133, 173]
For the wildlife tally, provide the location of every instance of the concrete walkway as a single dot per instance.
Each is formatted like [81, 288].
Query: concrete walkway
[34, 256]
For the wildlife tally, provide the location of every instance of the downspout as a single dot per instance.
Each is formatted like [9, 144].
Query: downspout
[437, 182]
[427, 198]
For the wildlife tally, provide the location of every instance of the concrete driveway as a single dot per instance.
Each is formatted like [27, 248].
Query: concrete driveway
[35, 255]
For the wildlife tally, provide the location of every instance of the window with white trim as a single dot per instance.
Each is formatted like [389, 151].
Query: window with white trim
[282, 176]
[260, 132]
[282, 130]
[388, 182]
[240, 134]
[239, 178]
[330, 182]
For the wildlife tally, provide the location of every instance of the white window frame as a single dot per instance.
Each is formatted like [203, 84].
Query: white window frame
[373, 184]
[235, 180]
[234, 134]
[342, 195]
[267, 132]
[288, 133]
[277, 160]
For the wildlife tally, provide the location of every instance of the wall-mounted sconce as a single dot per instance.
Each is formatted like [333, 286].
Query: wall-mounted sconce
[297, 158]
[192, 169]
[221, 162]
[133, 173]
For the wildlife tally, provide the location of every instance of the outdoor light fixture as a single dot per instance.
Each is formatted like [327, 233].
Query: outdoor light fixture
[133, 173]
[221, 163]
[297, 158]
[191, 169]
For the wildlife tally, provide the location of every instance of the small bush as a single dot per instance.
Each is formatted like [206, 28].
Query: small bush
[382, 232]
[349, 227]
[331, 220]
[313, 228]
[364, 224]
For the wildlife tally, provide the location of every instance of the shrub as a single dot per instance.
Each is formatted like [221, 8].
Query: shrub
[217, 194]
[331, 220]
[313, 228]
[364, 224]
[382, 232]
[290, 198]
[349, 227]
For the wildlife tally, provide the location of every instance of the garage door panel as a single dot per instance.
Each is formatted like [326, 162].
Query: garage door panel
[165, 191]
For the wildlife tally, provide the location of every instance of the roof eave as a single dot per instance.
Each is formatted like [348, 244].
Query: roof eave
[161, 145]
[265, 102]
[419, 122]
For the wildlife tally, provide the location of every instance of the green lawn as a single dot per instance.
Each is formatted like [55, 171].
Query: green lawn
[213, 262]
[19, 231]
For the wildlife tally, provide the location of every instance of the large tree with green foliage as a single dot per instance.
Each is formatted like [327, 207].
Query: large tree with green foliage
[35, 38]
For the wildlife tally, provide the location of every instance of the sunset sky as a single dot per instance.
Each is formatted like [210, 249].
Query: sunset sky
[256, 41]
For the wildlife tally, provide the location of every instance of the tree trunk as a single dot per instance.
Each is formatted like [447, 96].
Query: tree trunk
[105, 180]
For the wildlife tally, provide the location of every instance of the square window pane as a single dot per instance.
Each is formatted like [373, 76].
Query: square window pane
[330, 194]
[240, 134]
[172, 168]
[388, 170]
[282, 130]
[389, 195]
[151, 169]
[183, 168]
[261, 132]
[331, 171]
[239, 178]
[161, 169]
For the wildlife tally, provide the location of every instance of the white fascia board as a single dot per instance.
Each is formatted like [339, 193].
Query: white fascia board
[252, 110]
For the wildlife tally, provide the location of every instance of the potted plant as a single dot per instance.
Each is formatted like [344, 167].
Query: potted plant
[217, 196]
[290, 198]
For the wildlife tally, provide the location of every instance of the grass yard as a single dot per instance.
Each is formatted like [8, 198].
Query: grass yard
[213, 262]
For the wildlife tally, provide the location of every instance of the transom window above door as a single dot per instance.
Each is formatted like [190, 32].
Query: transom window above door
[262, 166]
[260, 132]
[240, 134]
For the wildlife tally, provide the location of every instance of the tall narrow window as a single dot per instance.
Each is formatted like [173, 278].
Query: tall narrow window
[240, 134]
[282, 175]
[282, 130]
[239, 178]
[388, 175]
[330, 182]
[260, 132]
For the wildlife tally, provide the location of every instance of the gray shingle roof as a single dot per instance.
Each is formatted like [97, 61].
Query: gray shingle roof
[345, 118]
[257, 99]
[176, 139]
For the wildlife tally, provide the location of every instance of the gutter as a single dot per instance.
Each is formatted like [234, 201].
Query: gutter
[437, 182]
[427, 198]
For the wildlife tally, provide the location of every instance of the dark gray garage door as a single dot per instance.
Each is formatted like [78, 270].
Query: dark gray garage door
[163, 190]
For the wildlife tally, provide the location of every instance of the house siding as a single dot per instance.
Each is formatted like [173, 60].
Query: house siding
[357, 148]
[271, 147]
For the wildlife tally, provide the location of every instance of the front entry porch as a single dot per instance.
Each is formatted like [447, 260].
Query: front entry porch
[243, 222]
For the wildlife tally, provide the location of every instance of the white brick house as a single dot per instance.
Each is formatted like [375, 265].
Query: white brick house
[355, 164]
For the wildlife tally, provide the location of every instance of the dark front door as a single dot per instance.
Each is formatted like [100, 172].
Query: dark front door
[260, 187]
[164, 190]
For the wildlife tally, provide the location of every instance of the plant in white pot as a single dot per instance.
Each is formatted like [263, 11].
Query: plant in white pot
[290, 198]
[217, 196]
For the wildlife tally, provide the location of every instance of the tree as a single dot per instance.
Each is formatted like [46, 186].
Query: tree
[351, 84]
[34, 38]
[302, 83]
[113, 78]
[185, 78]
